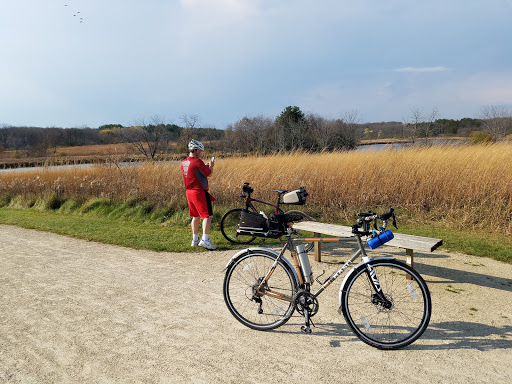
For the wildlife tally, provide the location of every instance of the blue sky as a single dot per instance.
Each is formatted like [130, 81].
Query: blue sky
[221, 60]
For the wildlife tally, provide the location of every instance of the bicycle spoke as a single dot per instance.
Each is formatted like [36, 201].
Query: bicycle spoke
[251, 307]
[394, 323]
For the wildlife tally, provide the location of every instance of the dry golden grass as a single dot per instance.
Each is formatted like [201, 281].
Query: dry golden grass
[153, 182]
[469, 186]
[100, 149]
[85, 150]
[463, 185]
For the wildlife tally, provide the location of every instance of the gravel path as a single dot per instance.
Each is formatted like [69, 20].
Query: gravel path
[73, 311]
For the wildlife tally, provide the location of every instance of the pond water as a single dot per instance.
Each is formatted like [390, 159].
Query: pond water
[58, 167]
[380, 147]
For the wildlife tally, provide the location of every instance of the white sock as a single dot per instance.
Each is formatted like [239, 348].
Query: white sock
[206, 237]
[195, 237]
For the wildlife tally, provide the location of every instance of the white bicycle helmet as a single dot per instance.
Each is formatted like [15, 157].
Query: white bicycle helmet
[194, 144]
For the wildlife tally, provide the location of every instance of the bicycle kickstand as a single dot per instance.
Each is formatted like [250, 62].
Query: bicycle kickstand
[306, 328]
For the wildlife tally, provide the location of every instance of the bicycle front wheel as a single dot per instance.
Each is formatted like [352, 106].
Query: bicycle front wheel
[229, 225]
[255, 310]
[396, 317]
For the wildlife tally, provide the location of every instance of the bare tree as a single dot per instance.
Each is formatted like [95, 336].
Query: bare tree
[415, 120]
[249, 134]
[351, 117]
[497, 120]
[429, 126]
[149, 139]
[190, 121]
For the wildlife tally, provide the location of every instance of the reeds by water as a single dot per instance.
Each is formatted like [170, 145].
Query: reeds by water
[466, 186]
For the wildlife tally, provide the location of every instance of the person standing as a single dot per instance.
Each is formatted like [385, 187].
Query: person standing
[195, 176]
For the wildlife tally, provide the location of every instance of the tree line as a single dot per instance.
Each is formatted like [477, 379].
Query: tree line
[291, 130]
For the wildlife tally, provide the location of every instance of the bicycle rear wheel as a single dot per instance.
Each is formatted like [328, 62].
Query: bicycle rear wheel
[229, 225]
[254, 310]
[393, 322]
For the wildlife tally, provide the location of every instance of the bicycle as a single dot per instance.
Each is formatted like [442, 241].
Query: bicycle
[229, 224]
[385, 302]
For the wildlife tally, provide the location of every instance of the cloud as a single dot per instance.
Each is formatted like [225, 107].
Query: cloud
[219, 12]
[422, 69]
[486, 89]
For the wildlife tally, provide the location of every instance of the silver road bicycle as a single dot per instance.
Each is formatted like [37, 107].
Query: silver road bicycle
[385, 302]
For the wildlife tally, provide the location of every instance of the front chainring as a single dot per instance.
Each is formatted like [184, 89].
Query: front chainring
[306, 301]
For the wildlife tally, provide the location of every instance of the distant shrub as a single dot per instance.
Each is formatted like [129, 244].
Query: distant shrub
[481, 137]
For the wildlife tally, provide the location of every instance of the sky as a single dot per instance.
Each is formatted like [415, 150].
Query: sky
[86, 63]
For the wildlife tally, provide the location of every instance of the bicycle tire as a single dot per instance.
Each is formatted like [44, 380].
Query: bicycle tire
[298, 233]
[239, 282]
[387, 328]
[229, 225]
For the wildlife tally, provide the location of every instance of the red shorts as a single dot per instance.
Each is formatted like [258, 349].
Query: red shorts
[199, 203]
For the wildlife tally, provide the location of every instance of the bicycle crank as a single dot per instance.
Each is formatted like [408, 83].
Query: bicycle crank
[306, 301]
[307, 305]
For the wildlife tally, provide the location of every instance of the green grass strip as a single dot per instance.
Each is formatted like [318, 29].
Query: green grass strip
[120, 227]
[123, 232]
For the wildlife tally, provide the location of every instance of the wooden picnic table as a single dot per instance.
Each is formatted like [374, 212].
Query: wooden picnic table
[409, 242]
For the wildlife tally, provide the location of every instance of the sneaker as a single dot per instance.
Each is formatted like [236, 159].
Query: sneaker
[195, 243]
[207, 244]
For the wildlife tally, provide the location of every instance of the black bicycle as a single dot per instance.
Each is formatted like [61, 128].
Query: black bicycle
[267, 227]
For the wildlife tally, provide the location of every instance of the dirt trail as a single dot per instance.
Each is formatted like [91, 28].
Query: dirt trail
[73, 311]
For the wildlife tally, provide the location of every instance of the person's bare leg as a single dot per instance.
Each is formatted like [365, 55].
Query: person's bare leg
[195, 230]
[207, 223]
[205, 241]
[195, 225]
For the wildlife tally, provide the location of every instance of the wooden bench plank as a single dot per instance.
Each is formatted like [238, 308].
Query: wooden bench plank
[408, 242]
[326, 229]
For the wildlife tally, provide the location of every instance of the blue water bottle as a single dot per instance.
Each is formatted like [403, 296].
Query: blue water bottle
[384, 237]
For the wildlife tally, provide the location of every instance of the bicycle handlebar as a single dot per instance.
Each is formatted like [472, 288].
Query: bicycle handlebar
[369, 216]
[246, 191]
[365, 218]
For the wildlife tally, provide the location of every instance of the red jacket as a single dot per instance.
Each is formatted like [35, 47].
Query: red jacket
[195, 173]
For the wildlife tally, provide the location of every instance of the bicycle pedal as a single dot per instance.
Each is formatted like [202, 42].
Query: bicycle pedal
[305, 329]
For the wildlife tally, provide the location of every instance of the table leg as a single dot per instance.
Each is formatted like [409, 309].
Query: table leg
[318, 248]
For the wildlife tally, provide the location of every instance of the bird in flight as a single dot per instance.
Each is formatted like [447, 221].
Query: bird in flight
[76, 13]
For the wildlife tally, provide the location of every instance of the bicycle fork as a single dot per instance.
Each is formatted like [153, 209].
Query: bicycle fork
[378, 298]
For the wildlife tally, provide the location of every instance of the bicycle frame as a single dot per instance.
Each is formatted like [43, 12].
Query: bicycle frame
[298, 267]
[246, 194]
[249, 204]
